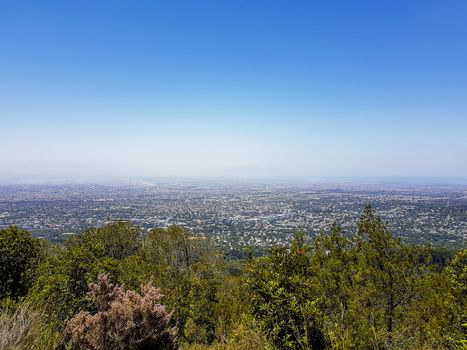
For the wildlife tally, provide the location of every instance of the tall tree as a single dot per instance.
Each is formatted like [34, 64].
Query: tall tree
[283, 297]
[190, 270]
[386, 276]
[457, 274]
[333, 264]
[17, 252]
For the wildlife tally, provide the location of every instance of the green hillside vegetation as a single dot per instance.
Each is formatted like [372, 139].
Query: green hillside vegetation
[116, 287]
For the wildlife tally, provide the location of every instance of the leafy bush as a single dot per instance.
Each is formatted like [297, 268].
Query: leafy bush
[282, 297]
[243, 337]
[193, 271]
[125, 320]
[17, 251]
[61, 285]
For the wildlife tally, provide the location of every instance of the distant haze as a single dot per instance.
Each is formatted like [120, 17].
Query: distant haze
[233, 89]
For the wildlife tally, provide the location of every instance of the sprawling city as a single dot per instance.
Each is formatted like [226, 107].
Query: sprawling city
[239, 214]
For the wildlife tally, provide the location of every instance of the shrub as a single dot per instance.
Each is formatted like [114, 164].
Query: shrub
[243, 337]
[125, 320]
[17, 251]
[282, 297]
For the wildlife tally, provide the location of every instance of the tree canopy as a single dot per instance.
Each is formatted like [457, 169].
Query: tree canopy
[362, 290]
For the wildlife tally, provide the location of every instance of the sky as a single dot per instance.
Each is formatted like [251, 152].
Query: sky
[235, 88]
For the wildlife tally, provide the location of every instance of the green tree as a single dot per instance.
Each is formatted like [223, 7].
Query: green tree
[17, 253]
[334, 264]
[62, 285]
[283, 298]
[456, 272]
[118, 239]
[385, 281]
[191, 272]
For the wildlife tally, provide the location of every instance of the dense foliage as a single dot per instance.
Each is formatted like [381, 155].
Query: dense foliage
[17, 253]
[367, 290]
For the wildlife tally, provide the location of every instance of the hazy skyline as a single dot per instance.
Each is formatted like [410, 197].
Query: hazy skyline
[233, 88]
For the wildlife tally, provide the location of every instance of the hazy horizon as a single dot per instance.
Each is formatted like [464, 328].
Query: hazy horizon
[233, 89]
[72, 176]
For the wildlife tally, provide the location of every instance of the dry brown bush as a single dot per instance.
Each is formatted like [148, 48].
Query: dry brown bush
[17, 327]
[125, 320]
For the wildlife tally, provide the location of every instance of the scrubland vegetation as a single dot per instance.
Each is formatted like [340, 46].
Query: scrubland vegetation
[115, 287]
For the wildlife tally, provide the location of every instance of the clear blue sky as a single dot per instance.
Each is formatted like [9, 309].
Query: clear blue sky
[233, 88]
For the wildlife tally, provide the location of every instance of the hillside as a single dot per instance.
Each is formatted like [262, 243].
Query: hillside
[366, 291]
